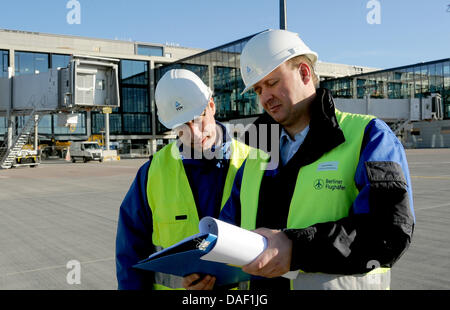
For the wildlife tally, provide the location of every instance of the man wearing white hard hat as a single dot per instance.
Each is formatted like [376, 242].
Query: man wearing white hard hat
[338, 208]
[183, 182]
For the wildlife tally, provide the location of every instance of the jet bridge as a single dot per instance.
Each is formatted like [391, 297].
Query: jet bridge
[87, 84]
[399, 114]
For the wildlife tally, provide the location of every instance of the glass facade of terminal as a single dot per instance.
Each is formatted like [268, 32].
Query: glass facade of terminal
[419, 80]
[4, 64]
[133, 117]
[219, 69]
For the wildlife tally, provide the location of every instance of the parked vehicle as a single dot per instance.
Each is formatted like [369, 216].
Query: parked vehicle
[85, 151]
[28, 157]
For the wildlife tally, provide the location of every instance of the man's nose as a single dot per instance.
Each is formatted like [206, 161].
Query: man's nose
[196, 129]
[265, 96]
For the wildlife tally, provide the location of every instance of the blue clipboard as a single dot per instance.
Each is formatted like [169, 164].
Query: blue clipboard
[183, 258]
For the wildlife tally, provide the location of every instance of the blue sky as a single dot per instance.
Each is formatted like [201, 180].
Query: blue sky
[410, 31]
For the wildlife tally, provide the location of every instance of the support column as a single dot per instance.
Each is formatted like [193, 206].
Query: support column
[354, 89]
[153, 146]
[107, 131]
[36, 123]
[11, 124]
[385, 90]
[211, 77]
[368, 104]
[10, 115]
[88, 124]
[151, 91]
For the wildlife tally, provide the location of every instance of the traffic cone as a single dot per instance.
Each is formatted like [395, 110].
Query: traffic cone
[68, 155]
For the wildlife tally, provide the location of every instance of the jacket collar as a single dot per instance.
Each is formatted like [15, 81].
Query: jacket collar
[324, 131]
[324, 127]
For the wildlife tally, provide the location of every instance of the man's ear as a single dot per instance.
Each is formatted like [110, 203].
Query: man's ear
[305, 73]
[212, 105]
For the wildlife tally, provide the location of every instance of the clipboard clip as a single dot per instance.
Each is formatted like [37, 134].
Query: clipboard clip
[202, 244]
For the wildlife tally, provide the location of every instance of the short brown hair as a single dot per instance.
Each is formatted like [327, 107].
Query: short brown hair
[297, 60]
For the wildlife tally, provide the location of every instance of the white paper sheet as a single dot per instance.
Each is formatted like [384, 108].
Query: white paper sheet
[234, 245]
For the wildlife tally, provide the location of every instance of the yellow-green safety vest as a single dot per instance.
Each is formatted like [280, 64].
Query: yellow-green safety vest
[324, 191]
[172, 203]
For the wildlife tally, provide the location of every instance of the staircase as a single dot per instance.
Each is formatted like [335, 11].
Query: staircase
[399, 126]
[400, 129]
[8, 155]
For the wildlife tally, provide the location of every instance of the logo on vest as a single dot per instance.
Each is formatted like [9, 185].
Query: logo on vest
[330, 184]
[318, 184]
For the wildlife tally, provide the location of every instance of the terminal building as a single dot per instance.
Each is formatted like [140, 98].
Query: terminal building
[416, 81]
[421, 80]
[134, 125]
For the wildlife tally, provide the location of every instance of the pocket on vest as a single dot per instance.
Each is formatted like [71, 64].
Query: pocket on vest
[174, 230]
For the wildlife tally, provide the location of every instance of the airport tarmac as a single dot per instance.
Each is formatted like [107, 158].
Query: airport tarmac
[62, 212]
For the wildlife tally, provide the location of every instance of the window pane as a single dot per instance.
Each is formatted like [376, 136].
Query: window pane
[60, 61]
[135, 99]
[80, 128]
[446, 92]
[136, 123]
[98, 123]
[4, 62]
[3, 125]
[134, 72]
[440, 76]
[45, 124]
[447, 75]
[149, 50]
[30, 63]
[432, 77]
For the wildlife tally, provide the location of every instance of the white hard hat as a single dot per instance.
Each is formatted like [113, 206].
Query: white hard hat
[267, 50]
[180, 97]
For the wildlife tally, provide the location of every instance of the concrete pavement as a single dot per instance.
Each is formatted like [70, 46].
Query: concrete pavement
[62, 211]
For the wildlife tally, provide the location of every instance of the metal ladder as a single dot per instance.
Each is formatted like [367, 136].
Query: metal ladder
[9, 155]
[399, 128]
[400, 125]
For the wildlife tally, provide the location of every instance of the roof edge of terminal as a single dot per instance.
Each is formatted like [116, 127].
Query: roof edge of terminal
[216, 48]
[394, 68]
[93, 39]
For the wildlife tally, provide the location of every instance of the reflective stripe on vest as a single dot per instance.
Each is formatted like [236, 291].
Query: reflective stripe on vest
[171, 200]
[377, 279]
[325, 191]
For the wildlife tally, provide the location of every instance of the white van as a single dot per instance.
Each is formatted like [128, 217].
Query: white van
[85, 151]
